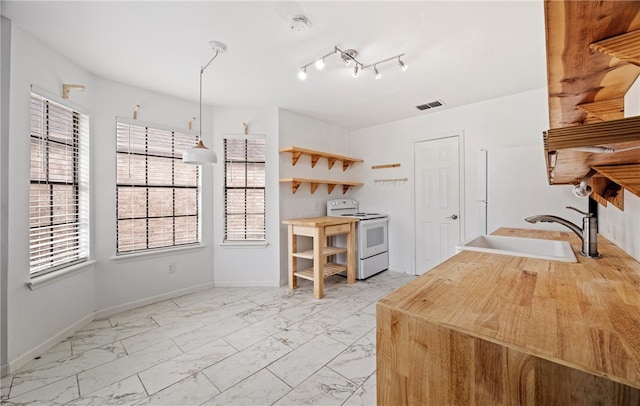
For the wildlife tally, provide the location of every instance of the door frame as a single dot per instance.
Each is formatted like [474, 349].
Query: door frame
[461, 185]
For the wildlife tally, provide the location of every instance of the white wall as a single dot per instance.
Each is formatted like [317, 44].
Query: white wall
[304, 132]
[242, 264]
[623, 227]
[5, 58]
[506, 125]
[130, 281]
[36, 317]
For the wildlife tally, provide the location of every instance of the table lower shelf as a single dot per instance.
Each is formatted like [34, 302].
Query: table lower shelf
[326, 251]
[330, 268]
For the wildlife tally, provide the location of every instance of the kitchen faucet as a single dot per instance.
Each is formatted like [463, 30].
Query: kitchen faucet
[588, 234]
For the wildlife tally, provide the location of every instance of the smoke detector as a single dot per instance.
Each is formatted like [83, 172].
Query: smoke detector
[299, 23]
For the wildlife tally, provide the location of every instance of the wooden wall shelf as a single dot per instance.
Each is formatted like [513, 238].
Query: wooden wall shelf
[331, 184]
[297, 152]
[593, 58]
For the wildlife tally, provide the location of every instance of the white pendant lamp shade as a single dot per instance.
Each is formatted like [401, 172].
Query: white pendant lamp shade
[199, 155]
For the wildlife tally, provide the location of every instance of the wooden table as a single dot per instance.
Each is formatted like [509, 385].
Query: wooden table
[488, 329]
[319, 229]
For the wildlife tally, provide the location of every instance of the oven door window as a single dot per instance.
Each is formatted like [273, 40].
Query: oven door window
[375, 236]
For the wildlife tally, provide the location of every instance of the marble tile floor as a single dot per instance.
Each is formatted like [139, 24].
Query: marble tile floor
[221, 346]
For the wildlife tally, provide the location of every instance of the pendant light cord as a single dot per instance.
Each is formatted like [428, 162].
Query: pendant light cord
[201, 72]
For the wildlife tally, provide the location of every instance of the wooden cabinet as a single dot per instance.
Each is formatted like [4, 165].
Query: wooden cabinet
[593, 58]
[320, 229]
[487, 329]
[297, 152]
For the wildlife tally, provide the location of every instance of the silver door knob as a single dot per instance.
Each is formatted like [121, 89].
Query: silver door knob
[453, 217]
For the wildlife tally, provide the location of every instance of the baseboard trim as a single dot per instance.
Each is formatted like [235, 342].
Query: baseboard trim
[101, 314]
[25, 358]
[247, 284]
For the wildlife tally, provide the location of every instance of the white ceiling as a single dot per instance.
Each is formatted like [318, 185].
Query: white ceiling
[457, 52]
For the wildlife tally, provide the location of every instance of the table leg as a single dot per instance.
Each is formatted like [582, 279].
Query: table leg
[293, 261]
[318, 262]
[351, 256]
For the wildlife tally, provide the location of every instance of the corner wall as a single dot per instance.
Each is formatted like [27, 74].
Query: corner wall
[305, 132]
[37, 319]
[238, 264]
[5, 65]
[623, 227]
[124, 282]
[509, 128]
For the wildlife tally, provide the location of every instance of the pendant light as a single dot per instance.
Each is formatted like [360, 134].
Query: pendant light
[200, 154]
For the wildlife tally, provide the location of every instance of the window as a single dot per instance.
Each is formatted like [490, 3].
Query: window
[158, 196]
[58, 197]
[244, 189]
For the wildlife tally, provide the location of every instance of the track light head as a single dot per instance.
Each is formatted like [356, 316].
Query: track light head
[356, 70]
[376, 72]
[302, 75]
[348, 55]
[320, 64]
[403, 65]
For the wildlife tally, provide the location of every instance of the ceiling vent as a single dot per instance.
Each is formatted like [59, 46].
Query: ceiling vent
[430, 105]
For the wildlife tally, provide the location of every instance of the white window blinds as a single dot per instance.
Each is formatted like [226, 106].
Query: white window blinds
[58, 210]
[158, 196]
[244, 189]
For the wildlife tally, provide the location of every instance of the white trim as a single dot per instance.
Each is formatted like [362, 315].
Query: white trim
[101, 314]
[142, 255]
[52, 277]
[155, 126]
[40, 349]
[59, 100]
[244, 136]
[244, 244]
[248, 284]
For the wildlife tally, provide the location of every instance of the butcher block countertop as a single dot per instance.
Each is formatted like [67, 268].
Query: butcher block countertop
[320, 221]
[584, 316]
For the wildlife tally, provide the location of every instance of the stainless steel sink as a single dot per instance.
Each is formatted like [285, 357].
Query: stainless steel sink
[521, 247]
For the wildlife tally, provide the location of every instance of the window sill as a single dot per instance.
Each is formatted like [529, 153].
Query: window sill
[52, 277]
[138, 256]
[244, 244]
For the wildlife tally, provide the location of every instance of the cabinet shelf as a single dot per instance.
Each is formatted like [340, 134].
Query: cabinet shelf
[593, 58]
[329, 269]
[297, 152]
[331, 184]
[326, 252]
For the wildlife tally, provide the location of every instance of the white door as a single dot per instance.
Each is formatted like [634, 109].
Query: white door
[437, 195]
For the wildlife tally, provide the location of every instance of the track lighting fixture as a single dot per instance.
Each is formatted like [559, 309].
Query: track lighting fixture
[348, 56]
[403, 65]
[376, 72]
[303, 73]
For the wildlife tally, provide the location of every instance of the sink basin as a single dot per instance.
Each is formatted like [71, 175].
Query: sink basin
[521, 247]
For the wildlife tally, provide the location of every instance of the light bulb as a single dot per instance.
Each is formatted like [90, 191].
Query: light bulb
[355, 71]
[320, 64]
[302, 75]
[403, 65]
[378, 75]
